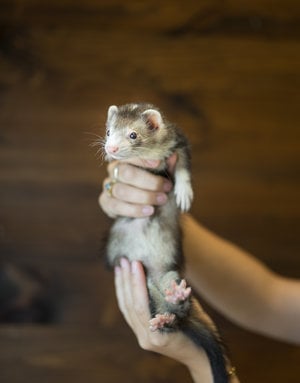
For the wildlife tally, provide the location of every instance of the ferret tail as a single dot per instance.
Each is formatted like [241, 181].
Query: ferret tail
[212, 344]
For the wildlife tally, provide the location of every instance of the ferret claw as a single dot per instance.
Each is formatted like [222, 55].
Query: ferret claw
[184, 195]
[160, 320]
[177, 293]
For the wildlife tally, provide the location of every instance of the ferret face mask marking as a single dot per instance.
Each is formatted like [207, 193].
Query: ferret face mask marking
[133, 133]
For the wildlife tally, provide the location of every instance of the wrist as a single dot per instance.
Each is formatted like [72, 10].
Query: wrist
[199, 366]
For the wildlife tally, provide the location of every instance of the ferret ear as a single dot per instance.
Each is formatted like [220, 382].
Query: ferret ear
[153, 118]
[112, 110]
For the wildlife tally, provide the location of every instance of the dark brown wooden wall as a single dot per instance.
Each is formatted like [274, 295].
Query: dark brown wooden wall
[229, 73]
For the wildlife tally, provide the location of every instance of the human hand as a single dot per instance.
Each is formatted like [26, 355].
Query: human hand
[136, 191]
[133, 301]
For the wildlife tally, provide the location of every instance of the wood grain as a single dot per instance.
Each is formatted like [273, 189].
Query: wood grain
[229, 74]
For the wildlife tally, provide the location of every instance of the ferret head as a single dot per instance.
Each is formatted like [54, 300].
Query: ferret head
[136, 130]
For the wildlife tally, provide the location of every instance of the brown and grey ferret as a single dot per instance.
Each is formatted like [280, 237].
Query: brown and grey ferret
[141, 131]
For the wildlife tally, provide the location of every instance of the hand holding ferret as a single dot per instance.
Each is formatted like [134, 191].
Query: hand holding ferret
[135, 195]
[133, 301]
[136, 191]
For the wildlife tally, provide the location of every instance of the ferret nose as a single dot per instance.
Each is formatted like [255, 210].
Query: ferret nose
[112, 149]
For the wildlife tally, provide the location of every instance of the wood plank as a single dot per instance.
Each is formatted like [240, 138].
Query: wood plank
[60, 353]
[214, 17]
[228, 73]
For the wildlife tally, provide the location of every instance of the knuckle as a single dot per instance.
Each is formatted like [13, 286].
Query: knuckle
[125, 209]
[155, 182]
[143, 344]
[111, 166]
[127, 172]
[101, 200]
[135, 210]
[158, 342]
[152, 342]
[119, 191]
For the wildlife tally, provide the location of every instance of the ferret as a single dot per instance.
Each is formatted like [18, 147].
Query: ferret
[141, 130]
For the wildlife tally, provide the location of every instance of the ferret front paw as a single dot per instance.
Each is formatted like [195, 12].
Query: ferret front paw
[160, 320]
[178, 292]
[184, 196]
[183, 189]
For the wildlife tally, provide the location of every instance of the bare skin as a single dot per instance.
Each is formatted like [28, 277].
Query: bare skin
[240, 286]
[233, 281]
[130, 197]
[133, 302]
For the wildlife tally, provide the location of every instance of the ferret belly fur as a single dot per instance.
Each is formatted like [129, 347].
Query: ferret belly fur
[140, 130]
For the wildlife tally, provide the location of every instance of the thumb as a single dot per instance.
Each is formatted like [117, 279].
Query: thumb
[171, 162]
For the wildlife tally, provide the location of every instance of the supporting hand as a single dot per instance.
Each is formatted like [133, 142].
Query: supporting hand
[132, 296]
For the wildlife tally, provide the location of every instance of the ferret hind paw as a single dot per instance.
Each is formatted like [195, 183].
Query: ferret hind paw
[177, 292]
[160, 320]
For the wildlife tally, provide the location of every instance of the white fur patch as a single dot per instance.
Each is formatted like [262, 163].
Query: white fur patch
[183, 189]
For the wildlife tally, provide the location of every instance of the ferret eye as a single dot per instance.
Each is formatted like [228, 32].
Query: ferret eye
[108, 132]
[133, 135]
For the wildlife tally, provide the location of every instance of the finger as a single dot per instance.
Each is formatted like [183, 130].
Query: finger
[140, 312]
[105, 182]
[171, 162]
[129, 201]
[114, 207]
[131, 194]
[118, 279]
[126, 274]
[123, 289]
[152, 164]
[139, 178]
[140, 292]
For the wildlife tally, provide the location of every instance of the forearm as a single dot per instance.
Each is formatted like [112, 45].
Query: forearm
[198, 365]
[235, 283]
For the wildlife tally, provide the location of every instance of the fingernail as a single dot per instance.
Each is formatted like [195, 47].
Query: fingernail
[134, 267]
[148, 210]
[117, 270]
[152, 163]
[124, 263]
[161, 199]
[167, 186]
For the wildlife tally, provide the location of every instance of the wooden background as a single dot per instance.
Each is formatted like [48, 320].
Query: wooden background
[229, 73]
